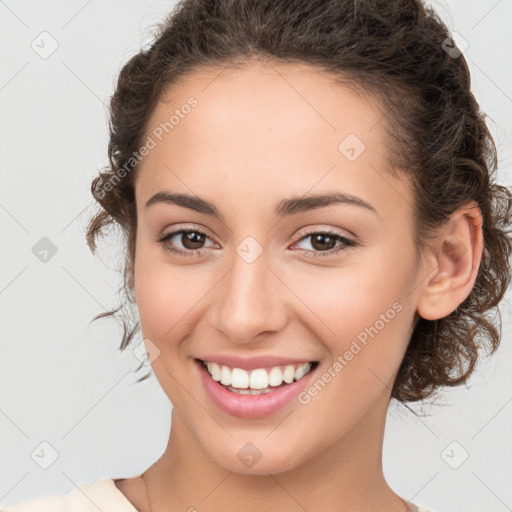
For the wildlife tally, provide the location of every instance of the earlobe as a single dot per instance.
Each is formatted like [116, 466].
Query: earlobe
[457, 257]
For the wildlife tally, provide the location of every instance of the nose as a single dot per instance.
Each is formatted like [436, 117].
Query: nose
[249, 301]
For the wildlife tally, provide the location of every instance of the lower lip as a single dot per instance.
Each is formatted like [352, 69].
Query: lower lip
[251, 406]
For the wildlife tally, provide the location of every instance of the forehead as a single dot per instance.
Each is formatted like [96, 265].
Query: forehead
[263, 128]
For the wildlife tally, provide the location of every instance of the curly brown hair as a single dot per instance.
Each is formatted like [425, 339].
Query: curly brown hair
[397, 51]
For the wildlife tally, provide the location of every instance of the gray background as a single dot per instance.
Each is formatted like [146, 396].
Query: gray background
[64, 382]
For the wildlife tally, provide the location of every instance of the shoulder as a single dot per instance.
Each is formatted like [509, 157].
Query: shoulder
[102, 495]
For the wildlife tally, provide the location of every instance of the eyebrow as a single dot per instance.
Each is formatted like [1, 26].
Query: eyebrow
[284, 208]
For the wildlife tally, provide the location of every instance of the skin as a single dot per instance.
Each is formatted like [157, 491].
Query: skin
[260, 134]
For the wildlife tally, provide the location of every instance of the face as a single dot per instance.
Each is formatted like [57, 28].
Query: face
[260, 280]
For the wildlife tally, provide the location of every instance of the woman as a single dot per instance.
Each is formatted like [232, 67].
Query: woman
[306, 190]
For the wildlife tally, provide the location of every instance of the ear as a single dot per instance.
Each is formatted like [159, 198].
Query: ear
[453, 264]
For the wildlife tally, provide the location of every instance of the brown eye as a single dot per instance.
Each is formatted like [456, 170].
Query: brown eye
[326, 243]
[321, 241]
[191, 242]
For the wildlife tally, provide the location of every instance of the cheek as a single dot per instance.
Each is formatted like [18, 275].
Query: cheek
[363, 308]
[159, 310]
[354, 295]
[155, 292]
[168, 296]
[369, 329]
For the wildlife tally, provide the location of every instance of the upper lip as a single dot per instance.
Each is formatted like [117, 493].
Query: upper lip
[252, 363]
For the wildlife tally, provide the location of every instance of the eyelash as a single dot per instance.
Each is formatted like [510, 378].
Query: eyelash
[347, 243]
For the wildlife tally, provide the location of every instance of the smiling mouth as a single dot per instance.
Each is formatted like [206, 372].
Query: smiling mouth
[259, 380]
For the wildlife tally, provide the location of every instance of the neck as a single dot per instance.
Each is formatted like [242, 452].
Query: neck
[345, 476]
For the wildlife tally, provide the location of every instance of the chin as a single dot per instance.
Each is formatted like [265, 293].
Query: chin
[246, 459]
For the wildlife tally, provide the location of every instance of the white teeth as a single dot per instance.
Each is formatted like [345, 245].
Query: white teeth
[275, 377]
[289, 374]
[300, 372]
[259, 379]
[240, 378]
[214, 371]
[225, 375]
[256, 381]
[250, 391]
